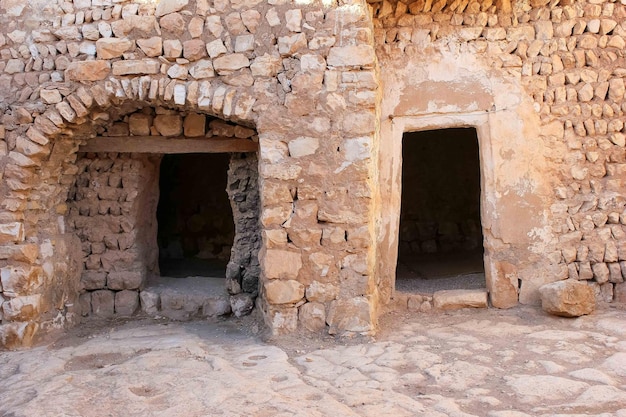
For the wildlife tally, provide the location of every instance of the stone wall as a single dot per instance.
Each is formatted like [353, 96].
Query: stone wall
[543, 83]
[113, 212]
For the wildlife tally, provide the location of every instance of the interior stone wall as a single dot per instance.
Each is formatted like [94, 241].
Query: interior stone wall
[543, 83]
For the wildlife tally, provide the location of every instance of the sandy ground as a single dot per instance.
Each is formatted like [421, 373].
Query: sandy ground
[495, 363]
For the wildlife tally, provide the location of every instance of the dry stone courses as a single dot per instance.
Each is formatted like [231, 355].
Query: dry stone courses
[324, 91]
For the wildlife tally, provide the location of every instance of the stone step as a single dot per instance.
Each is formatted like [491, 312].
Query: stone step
[456, 299]
[188, 298]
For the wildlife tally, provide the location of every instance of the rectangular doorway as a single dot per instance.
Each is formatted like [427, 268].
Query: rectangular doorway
[440, 241]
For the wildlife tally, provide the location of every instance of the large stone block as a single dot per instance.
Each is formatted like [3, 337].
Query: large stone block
[281, 264]
[283, 292]
[348, 56]
[93, 280]
[107, 48]
[568, 298]
[241, 304]
[11, 232]
[136, 66]
[22, 308]
[125, 280]
[353, 315]
[20, 280]
[169, 124]
[312, 316]
[126, 302]
[169, 6]
[102, 303]
[87, 71]
[232, 62]
[455, 299]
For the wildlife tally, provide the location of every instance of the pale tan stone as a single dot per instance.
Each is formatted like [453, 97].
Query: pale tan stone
[283, 292]
[281, 264]
[194, 125]
[50, 96]
[346, 56]
[169, 6]
[152, 47]
[567, 298]
[172, 48]
[312, 316]
[232, 62]
[353, 315]
[194, 49]
[456, 299]
[88, 70]
[168, 125]
[322, 293]
[107, 48]
[139, 124]
[132, 67]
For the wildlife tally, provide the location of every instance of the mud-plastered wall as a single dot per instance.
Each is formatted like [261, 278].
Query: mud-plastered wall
[543, 84]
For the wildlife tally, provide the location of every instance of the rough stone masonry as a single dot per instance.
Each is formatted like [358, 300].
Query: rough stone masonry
[328, 88]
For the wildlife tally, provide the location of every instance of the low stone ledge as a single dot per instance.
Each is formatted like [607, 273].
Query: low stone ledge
[568, 298]
[457, 299]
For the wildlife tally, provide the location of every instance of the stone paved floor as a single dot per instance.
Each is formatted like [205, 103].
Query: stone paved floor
[493, 363]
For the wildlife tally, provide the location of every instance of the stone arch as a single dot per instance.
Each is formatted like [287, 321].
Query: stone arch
[295, 85]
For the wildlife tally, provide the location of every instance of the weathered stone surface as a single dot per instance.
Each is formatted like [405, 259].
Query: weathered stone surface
[312, 316]
[131, 67]
[169, 6]
[241, 304]
[455, 299]
[124, 280]
[88, 70]
[168, 125]
[139, 124]
[346, 56]
[152, 47]
[351, 315]
[281, 264]
[126, 302]
[568, 298]
[232, 62]
[103, 303]
[283, 291]
[194, 125]
[107, 48]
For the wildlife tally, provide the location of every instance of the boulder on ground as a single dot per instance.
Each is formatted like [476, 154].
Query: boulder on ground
[568, 298]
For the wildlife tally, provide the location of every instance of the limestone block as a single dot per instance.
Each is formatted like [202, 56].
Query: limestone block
[619, 293]
[232, 62]
[276, 215]
[126, 302]
[194, 49]
[241, 304]
[251, 19]
[266, 66]
[455, 299]
[93, 280]
[283, 292]
[350, 315]
[202, 69]
[214, 25]
[169, 124]
[617, 89]
[139, 124]
[281, 264]
[20, 253]
[244, 43]
[289, 45]
[150, 302]
[152, 47]
[136, 66]
[303, 146]
[178, 72]
[169, 6]
[107, 48]
[194, 125]
[312, 316]
[196, 27]
[87, 71]
[567, 298]
[216, 48]
[50, 96]
[11, 232]
[84, 301]
[280, 319]
[321, 293]
[600, 272]
[293, 20]
[20, 280]
[214, 307]
[124, 280]
[22, 308]
[354, 55]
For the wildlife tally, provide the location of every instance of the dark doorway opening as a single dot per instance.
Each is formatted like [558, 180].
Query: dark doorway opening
[440, 242]
[194, 215]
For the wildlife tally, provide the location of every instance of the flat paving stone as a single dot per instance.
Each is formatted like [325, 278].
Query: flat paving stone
[474, 362]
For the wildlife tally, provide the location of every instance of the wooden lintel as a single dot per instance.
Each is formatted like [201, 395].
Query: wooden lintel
[165, 145]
